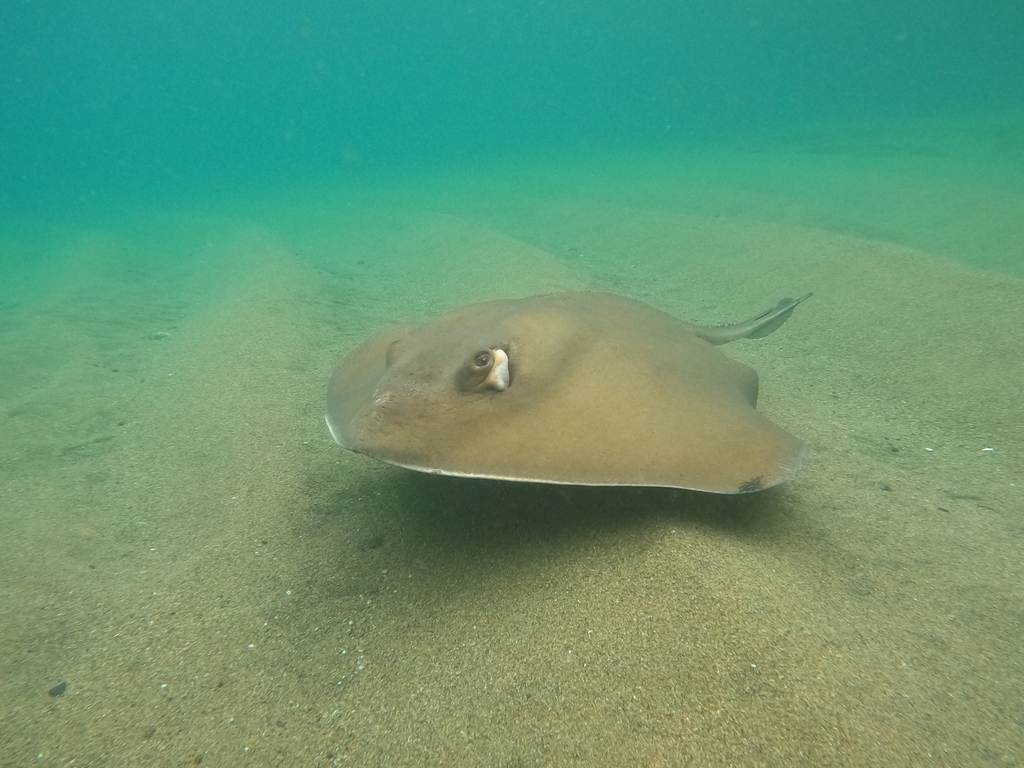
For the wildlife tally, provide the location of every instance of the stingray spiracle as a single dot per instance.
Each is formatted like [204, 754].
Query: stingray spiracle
[497, 377]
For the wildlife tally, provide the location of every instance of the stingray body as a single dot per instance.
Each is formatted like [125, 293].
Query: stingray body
[575, 388]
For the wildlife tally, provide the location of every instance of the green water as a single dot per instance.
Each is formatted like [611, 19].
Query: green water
[203, 207]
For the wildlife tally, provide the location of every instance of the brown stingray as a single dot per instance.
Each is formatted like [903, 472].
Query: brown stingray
[575, 388]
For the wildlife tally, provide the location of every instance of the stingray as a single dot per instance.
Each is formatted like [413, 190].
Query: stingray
[571, 388]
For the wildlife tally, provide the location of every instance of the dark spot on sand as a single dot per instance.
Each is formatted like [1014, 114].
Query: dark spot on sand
[753, 484]
[372, 542]
[58, 690]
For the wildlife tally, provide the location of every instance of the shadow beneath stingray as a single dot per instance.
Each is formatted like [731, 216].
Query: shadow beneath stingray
[500, 513]
[410, 543]
[449, 518]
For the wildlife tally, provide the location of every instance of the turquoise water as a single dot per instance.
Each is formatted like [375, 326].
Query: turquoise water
[113, 101]
[203, 207]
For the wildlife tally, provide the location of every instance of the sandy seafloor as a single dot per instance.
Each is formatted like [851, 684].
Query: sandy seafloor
[219, 584]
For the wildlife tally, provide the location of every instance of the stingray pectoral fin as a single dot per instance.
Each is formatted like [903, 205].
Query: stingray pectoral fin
[754, 328]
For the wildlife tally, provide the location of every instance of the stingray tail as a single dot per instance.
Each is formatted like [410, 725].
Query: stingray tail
[754, 328]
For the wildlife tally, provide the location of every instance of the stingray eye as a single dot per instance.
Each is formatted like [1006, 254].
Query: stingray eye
[484, 370]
